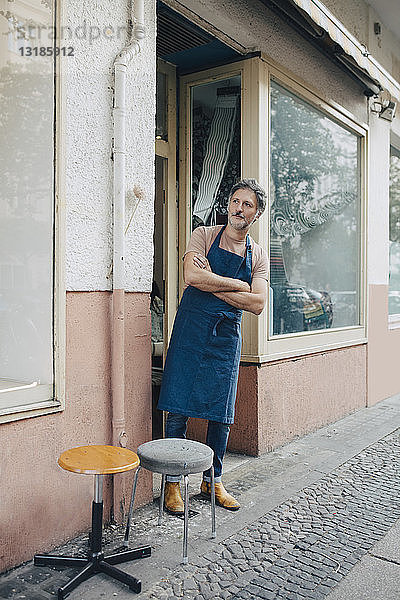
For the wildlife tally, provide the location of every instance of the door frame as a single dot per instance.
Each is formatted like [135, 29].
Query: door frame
[167, 150]
[254, 163]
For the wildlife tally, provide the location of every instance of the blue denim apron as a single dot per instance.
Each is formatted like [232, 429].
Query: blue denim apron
[202, 365]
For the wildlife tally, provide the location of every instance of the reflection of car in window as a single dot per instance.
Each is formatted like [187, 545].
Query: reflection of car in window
[296, 308]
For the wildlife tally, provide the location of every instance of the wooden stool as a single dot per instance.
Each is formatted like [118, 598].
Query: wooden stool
[97, 461]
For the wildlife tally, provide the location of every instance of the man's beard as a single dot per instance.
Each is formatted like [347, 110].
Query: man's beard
[238, 224]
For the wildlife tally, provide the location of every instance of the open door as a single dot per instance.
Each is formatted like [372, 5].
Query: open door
[164, 296]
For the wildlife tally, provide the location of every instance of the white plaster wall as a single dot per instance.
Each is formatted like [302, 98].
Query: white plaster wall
[252, 25]
[87, 106]
[378, 201]
[359, 18]
[353, 15]
[384, 47]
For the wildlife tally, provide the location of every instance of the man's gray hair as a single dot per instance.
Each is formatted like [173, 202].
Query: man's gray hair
[254, 186]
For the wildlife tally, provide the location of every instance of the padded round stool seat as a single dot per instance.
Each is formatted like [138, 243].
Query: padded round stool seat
[175, 456]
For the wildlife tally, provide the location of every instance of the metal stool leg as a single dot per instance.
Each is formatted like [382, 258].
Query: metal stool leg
[161, 506]
[83, 575]
[213, 532]
[134, 584]
[128, 524]
[186, 521]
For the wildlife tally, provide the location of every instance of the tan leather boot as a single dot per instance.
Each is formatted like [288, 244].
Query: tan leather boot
[222, 498]
[172, 499]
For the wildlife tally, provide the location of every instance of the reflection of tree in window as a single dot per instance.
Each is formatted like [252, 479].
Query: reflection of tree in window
[314, 214]
[394, 232]
[25, 97]
[394, 192]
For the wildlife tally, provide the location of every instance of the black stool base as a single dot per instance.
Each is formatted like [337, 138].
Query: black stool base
[93, 565]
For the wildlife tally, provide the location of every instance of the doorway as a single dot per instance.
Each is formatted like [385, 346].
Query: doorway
[157, 297]
[183, 48]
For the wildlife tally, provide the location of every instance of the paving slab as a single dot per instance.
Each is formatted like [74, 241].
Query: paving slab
[371, 579]
[389, 547]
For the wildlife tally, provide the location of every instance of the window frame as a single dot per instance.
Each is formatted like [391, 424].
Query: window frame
[167, 150]
[50, 398]
[258, 347]
[248, 71]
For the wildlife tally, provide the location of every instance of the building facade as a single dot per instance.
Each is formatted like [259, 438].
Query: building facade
[301, 96]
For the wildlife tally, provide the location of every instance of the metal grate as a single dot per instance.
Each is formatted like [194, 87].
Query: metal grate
[175, 34]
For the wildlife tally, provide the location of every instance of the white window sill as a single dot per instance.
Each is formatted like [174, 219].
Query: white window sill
[307, 343]
[21, 400]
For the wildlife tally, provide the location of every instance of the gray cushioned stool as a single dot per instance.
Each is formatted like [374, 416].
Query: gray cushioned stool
[174, 456]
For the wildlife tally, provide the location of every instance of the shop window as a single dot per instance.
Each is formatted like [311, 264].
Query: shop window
[27, 211]
[315, 216]
[394, 232]
[250, 119]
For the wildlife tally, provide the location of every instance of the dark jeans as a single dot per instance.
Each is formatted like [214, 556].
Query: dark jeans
[217, 439]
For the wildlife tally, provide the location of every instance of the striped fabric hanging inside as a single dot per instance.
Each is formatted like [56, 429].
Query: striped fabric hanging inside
[217, 152]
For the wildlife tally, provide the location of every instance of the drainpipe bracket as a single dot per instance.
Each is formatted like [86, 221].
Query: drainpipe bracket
[139, 31]
[123, 439]
[128, 54]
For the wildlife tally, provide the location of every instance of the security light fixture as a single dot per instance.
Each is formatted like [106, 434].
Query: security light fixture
[388, 111]
[385, 109]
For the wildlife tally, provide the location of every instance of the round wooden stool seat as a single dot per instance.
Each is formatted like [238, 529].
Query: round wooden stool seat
[98, 460]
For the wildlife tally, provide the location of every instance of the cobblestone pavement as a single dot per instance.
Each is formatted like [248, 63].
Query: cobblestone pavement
[320, 534]
[299, 549]
[304, 547]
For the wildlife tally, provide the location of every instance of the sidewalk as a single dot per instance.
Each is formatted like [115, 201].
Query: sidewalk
[319, 519]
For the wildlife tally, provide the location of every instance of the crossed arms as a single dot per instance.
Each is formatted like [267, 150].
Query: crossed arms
[197, 273]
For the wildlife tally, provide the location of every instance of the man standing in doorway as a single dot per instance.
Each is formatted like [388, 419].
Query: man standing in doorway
[225, 272]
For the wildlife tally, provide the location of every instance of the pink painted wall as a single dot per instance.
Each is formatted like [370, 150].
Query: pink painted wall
[245, 432]
[297, 396]
[383, 348]
[42, 505]
[279, 401]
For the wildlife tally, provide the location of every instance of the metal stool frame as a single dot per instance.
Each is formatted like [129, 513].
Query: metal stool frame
[96, 561]
[185, 514]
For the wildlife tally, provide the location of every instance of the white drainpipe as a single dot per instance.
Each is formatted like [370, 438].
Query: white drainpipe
[121, 63]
